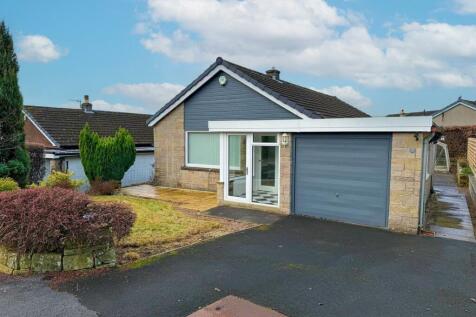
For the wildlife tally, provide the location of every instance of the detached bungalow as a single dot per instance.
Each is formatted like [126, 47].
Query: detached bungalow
[261, 142]
[56, 131]
[460, 113]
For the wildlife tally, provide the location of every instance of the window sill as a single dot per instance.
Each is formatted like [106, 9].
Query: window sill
[200, 169]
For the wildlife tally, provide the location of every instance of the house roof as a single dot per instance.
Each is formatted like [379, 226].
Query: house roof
[468, 103]
[308, 102]
[415, 114]
[63, 125]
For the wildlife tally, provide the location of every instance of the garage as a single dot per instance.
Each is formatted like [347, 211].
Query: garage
[342, 177]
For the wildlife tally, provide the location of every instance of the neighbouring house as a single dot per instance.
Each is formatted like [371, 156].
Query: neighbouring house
[261, 142]
[460, 113]
[56, 131]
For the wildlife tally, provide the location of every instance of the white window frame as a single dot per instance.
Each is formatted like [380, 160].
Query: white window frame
[278, 168]
[187, 164]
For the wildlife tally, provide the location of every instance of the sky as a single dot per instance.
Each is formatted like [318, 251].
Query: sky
[135, 55]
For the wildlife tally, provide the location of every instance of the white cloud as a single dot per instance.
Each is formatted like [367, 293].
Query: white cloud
[100, 104]
[103, 105]
[152, 95]
[37, 48]
[348, 94]
[310, 36]
[465, 6]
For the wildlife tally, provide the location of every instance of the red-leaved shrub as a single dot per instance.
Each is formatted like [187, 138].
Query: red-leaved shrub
[45, 219]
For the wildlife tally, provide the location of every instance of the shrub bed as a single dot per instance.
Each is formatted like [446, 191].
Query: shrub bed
[8, 184]
[52, 220]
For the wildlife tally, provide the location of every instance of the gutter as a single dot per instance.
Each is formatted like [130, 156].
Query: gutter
[59, 153]
[424, 170]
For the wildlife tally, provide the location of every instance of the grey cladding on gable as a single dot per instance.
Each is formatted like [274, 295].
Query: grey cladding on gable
[233, 101]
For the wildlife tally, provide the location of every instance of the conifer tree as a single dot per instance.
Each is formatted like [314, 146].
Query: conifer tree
[14, 159]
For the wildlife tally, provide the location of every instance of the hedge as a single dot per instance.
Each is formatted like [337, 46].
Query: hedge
[457, 140]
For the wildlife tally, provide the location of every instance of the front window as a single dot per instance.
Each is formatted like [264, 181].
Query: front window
[203, 149]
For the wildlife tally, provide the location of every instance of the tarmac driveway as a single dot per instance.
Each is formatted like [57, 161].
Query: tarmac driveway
[299, 267]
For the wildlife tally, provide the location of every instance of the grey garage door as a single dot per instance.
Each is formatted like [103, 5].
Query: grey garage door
[343, 177]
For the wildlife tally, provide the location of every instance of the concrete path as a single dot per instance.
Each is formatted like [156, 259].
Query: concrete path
[31, 296]
[193, 200]
[449, 214]
[298, 267]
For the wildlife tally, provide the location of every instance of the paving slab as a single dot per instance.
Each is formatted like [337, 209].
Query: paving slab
[449, 213]
[194, 200]
[232, 306]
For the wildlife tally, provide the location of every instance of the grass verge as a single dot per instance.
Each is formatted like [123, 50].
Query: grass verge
[159, 227]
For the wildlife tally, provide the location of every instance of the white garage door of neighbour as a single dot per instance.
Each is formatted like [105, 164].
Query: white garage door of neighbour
[141, 172]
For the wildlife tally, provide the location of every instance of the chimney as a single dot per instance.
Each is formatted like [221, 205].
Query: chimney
[402, 113]
[86, 105]
[273, 73]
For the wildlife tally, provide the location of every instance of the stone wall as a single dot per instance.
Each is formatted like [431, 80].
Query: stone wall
[405, 179]
[169, 144]
[67, 260]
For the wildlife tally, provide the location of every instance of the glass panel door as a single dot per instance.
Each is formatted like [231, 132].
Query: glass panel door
[265, 175]
[237, 166]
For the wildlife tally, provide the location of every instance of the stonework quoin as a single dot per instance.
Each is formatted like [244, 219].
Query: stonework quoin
[405, 179]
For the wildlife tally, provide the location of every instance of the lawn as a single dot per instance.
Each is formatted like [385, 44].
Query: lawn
[160, 227]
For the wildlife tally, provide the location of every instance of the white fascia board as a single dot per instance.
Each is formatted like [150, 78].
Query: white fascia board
[374, 124]
[235, 76]
[459, 103]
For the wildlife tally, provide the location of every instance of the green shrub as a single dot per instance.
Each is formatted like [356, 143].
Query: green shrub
[106, 158]
[8, 184]
[465, 171]
[17, 168]
[62, 180]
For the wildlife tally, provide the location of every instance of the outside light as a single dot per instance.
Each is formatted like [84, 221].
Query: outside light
[284, 139]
